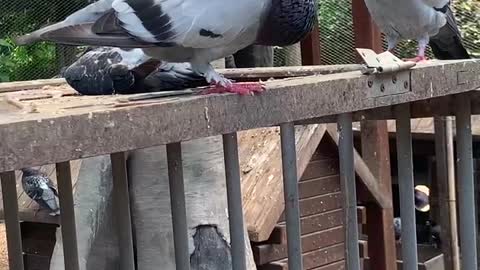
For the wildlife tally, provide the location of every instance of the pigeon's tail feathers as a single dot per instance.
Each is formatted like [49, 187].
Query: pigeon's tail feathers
[80, 34]
[83, 35]
[447, 44]
[36, 36]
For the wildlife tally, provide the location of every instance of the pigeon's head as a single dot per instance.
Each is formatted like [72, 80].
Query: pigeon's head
[422, 194]
[29, 171]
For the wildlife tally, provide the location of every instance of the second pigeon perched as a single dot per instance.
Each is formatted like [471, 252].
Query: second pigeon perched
[419, 20]
[194, 31]
[40, 189]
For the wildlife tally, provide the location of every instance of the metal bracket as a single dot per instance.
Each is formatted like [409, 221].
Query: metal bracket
[391, 75]
[385, 62]
[388, 84]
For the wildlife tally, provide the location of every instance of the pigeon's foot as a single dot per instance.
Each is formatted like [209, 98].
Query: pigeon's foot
[56, 213]
[417, 59]
[242, 88]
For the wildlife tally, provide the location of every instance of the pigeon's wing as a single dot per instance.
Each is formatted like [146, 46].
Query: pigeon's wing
[447, 44]
[147, 23]
[188, 23]
[49, 194]
[436, 3]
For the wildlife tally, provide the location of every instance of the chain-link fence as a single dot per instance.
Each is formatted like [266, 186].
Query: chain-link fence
[44, 60]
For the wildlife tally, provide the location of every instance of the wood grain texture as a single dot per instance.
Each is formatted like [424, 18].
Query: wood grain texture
[365, 175]
[261, 167]
[61, 131]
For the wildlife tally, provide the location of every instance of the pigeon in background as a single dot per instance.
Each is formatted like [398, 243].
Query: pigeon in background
[194, 31]
[419, 20]
[40, 189]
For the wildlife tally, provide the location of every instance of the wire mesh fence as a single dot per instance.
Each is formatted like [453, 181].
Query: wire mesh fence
[44, 60]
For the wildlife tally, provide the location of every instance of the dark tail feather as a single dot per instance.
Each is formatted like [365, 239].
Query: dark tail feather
[447, 44]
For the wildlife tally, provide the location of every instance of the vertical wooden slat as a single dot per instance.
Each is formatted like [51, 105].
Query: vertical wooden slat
[234, 197]
[375, 151]
[290, 190]
[445, 182]
[67, 215]
[121, 206]
[406, 187]
[177, 201]
[310, 47]
[12, 225]
[347, 178]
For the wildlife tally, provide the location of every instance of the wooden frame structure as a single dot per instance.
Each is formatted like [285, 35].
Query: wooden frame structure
[62, 130]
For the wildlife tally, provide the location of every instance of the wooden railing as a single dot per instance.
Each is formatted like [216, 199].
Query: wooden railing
[78, 127]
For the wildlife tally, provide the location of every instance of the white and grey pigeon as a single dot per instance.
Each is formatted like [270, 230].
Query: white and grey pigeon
[410, 19]
[40, 189]
[194, 31]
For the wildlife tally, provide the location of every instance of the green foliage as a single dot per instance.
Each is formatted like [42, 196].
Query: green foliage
[21, 16]
[336, 31]
[467, 13]
[26, 62]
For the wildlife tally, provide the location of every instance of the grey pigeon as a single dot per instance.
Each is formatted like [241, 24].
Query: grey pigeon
[194, 31]
[40, 189]
[411, 19]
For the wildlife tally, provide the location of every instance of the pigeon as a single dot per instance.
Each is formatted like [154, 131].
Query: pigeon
[194, 31]
[107, 70]
[40, 189]
[415, 19]
[428, 233]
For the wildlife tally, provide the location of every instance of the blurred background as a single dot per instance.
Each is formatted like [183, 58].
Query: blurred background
[44, 60]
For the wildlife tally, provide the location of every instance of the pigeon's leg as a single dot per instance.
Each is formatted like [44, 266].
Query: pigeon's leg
[221, 84]
[422, 46]
[392, 43]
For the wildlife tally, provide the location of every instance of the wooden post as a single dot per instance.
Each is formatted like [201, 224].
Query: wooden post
[375, 151]
[310, 47]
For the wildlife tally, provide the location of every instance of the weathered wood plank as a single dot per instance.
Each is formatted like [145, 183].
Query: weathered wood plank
[318, 204]
[66, 134]
[268, 253]
[240, 74]
[322, 257]
[260, 163]
[320, 168]
[320, 222]
[319, 186]
[365, 175]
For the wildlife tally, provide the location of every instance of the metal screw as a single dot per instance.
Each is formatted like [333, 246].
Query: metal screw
[405, 85]
[370, 83]
[394, 79]
[382, 88]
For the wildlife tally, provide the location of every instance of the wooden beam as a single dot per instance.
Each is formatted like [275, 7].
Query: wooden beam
[311, 47]
[444, 179]
[133, 125]
[365, 175]
[261, 168]
[376, 154]
[240, 74]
